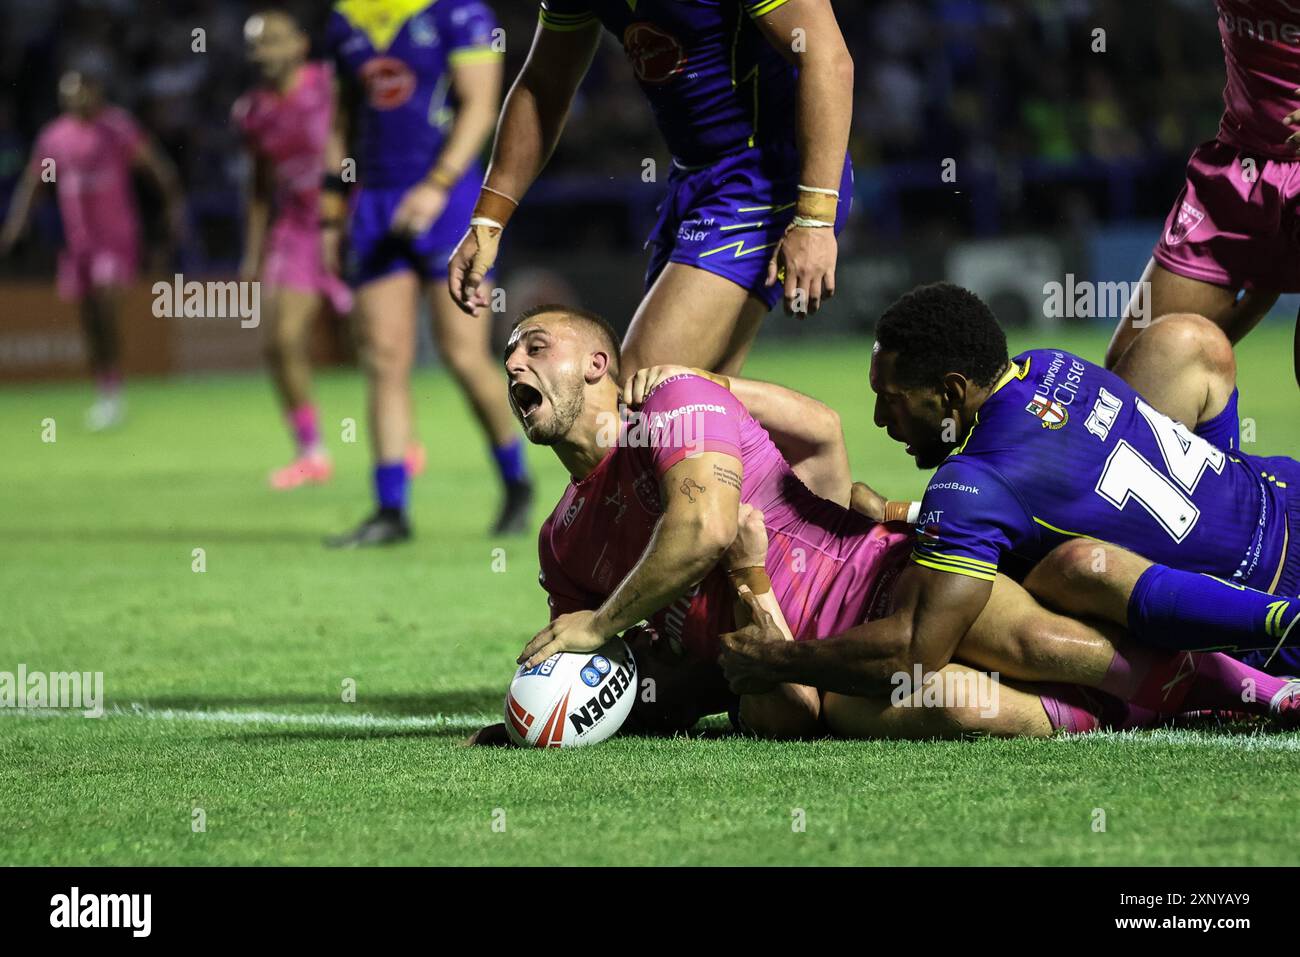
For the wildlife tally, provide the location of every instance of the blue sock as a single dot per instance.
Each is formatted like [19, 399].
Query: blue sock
[390, 485]
[1186, 611]
[1224, 430]
[510, 461]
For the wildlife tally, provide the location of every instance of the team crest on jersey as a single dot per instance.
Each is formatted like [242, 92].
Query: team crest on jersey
[656, 56]
[1188, 218]
[389, 82]
[422, 32]
[646, 487]
[1052, 414]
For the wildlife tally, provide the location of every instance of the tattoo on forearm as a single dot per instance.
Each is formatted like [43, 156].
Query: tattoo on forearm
[727, 476]
[627, 602]
[689, 487]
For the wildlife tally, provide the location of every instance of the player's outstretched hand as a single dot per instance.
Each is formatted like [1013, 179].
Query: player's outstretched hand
[571, 632]
[804, 260]
[469, 264]
[641, 384]
[749, 549]
[750, 653]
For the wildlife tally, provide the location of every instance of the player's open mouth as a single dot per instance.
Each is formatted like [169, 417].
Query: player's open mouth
[527, 399]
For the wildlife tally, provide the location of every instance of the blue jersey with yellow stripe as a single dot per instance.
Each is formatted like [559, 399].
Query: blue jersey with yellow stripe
[715, 83]
[399, 54]
[1064, 448]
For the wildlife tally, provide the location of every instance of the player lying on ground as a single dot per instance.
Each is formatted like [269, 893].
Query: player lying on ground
[285, 122]
[1044, 450]
[653, 507]
[1228, 247]
[754, 99]
[89, 153]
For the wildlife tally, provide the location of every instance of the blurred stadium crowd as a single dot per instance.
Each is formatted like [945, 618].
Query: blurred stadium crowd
[1051, 134]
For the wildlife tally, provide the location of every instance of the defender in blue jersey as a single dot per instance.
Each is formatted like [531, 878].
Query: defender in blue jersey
[424, 79]
[1051, 459]
[754, 99]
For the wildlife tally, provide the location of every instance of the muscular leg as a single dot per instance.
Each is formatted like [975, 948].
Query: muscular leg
[1016, 712]
[99, 325]
[1184, 366]
[289, 317]
[464, 342]
[691, 317]
[1170, 292]
[387, 308]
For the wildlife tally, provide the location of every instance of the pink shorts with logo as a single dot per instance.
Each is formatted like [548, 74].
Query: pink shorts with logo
[84, 270]
[293, 261]
[1235, 223]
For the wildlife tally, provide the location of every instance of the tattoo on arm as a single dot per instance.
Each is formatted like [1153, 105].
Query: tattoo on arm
[727, 476]
[689, 487]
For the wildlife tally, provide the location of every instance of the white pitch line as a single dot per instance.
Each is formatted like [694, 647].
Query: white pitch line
[362, 722]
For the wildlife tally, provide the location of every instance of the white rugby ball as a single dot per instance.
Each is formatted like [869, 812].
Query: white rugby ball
[571, 700]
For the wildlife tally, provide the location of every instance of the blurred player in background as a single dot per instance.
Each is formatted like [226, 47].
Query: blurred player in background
[285, 123]
[754, 99]
[424, 82]
[88, 153]
[1231, 243]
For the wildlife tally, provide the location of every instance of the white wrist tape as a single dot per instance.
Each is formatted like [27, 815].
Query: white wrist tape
[484, 221]
[811, 223]
[818, 189]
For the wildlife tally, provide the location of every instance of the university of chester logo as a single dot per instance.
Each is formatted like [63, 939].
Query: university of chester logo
[656, 56]
[1053, 415]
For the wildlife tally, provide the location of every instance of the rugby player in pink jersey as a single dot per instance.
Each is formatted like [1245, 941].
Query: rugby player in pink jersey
[648, 530]
[1231, 243]
[285, 122]
[88, 153]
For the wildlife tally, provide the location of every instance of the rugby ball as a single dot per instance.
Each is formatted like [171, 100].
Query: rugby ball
[571, 700]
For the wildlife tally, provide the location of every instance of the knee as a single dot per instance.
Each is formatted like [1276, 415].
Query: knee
[385, 360]
[1198, 340]
[1071, 568]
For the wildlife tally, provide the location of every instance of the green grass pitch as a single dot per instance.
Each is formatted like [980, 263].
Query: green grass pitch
[225, 687]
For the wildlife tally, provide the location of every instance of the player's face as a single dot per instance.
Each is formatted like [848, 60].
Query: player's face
[915, 417]
[275, 45]
[78, 95]
[544, 363]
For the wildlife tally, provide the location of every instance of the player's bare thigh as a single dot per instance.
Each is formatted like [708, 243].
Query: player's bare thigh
[1161, 292]
[968, 703]
[1016, 636]
[692, 317]
[1183, 365]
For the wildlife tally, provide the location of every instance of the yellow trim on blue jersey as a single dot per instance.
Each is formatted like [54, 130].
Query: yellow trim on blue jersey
[765, 7]
[976, 564]
[1061, 531]
[953, 569]
[473, 55]
[380, 20]
[564, 22]
[1014, 371]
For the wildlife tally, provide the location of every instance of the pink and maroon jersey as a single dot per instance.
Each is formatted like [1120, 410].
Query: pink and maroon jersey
[828, 565]
[92, 176]
[1261, 49]
[290, 131]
